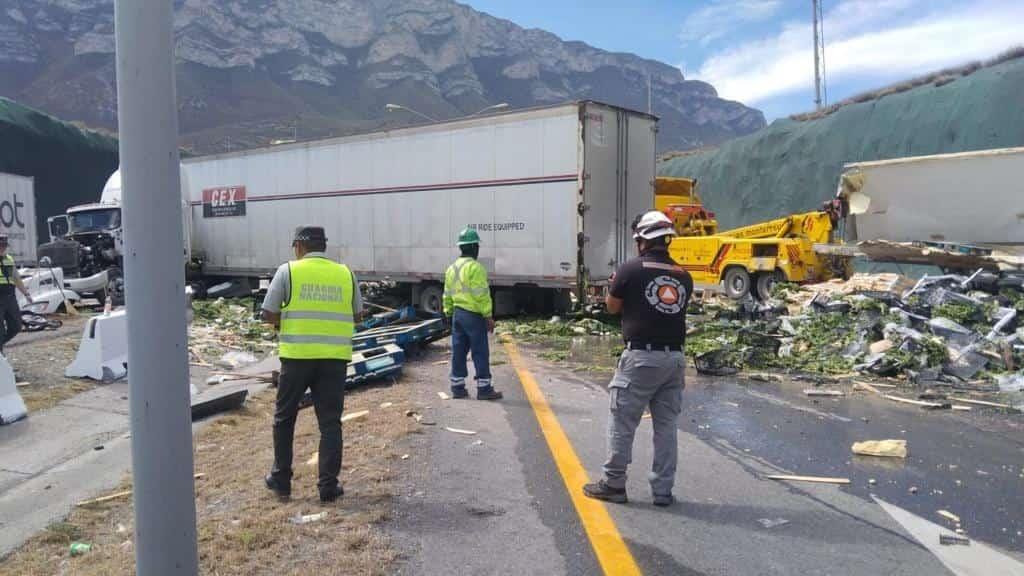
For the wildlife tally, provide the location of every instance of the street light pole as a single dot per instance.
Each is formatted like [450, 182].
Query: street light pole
[500, 106]
[396, 107]
[161, 430]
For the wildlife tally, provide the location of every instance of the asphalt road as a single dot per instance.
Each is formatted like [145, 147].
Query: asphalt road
[494, 502]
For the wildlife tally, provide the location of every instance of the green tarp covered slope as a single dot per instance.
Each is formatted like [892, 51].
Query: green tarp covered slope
[69, 165]
[793, 166]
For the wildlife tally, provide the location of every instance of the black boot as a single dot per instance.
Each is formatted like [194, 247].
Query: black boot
[488, 393]
[331, 494]
[283, 490]
[601, 491]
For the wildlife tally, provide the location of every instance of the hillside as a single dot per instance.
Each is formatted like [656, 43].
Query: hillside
[794, 165]
[69, 164]
[254, 70]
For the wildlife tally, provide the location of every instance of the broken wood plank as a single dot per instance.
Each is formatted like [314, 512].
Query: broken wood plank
[122, 494]
[984, 403]
[858, 385]
[960, 408]
[830, 393]
[354, 415]
[921, 403]
[461, 431]
[817, 479]
[949, 515]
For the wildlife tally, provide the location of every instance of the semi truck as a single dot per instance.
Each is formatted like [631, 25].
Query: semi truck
[552, 191]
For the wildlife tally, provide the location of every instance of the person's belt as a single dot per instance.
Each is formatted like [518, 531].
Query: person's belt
[634, 345]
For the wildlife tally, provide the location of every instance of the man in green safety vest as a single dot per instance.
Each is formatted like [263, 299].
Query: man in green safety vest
[467, 301]
[314, 302]
[10, 311]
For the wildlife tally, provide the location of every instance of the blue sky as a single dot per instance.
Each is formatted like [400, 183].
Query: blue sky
[760, 51]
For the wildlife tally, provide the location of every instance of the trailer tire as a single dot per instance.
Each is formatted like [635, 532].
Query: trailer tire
[736, 282]
[764, 283]
[432, 299]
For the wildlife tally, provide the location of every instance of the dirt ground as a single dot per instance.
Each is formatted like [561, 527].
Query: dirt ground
[242, 528]
[40, 359]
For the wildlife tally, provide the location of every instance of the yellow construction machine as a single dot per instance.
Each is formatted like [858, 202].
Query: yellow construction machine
[798, 248]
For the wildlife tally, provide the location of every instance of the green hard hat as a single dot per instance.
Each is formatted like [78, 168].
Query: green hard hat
[468, 236]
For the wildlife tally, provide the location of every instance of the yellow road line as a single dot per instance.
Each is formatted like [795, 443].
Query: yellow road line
[612, 553]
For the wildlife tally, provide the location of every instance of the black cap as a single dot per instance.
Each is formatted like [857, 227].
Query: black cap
[310, 234]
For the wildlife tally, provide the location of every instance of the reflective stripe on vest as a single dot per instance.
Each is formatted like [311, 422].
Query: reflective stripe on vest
[318, 322]
[458, 286]
[9, 268]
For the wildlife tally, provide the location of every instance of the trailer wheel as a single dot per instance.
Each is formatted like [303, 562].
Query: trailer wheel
[737, 282]
[765, 282]
[432, 299]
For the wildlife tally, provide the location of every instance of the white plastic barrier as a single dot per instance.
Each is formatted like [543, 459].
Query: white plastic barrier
[103, 353]
[12, 407]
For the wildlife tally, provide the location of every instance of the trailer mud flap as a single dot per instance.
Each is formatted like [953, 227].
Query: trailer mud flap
[12, 407]
[103, 352]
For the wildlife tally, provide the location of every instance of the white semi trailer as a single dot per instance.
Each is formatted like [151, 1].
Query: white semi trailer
[552, 192]
[18, 216]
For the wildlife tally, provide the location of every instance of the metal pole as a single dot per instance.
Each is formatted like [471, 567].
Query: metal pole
[817, 71]
[164, 493]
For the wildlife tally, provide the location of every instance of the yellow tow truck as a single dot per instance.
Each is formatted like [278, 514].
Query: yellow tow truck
[798, 248]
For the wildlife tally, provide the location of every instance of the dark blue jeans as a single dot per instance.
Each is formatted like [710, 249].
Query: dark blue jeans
[469, 333]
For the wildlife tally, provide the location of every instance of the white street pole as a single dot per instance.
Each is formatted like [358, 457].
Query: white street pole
[164, 493]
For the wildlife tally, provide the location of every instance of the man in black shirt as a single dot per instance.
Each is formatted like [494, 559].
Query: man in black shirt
[651, 292]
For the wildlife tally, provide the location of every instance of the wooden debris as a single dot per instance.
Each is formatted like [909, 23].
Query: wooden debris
[830, 393]
[386, 404]
[440, 363]
[960, 408]
[887, 448]
[984, 403]
[22, 384]
[949, 516]
[119, 495]
[817, 479]
[355, 415]
[461, 431]
[857, 385]
[921, 403]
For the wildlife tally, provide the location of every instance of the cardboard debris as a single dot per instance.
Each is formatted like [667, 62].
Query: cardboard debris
[887, 448]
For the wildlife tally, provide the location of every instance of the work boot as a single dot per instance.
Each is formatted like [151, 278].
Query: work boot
[283, 490]
[459, 392]
[601, 491]
[488, 393]
[664, 500]
[331, 494]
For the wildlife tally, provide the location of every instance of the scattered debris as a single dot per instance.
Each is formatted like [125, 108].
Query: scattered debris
[772, 522]
[119, 495]
[817, 479]
[813, 392]
[985, 403]
[886, 448]
[443, 396]
[949, 516]
[921, 403]
[308, 518]
[79, 548]
[385, 405]
[954, 540]
[913, 490]
[460, 431]
[355, 415]
[405, 456]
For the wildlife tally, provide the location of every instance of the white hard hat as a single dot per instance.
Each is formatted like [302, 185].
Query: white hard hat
[651, 225]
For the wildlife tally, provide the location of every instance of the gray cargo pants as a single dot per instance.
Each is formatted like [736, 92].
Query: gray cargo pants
[645, 378]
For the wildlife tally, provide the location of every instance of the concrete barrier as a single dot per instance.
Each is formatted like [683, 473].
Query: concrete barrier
[12, 407]
[103, 352]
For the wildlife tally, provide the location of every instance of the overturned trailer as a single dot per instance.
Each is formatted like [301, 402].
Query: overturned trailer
[964, 198]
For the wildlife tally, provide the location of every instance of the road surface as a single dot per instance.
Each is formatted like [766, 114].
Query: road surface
[496, 503]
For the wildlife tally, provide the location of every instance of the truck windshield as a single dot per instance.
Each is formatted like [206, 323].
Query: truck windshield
[94, 220]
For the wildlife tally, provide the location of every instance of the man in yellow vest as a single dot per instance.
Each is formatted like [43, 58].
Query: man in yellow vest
[314, 302]
[10, 311]
[467, 301]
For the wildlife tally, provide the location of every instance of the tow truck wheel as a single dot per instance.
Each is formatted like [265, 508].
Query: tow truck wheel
[432, 299]
[765, 282]
[737, 283]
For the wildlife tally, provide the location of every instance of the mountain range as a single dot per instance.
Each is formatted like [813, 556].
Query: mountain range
[251, 71]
